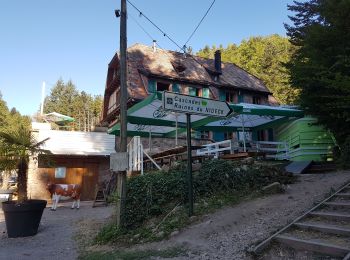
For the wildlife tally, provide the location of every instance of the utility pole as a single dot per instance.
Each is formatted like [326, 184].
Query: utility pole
[121, 188]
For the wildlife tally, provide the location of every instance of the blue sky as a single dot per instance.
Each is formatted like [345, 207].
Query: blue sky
[43, 40]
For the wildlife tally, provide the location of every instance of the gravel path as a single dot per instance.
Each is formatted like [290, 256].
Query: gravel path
[55, 238]
[228, 233]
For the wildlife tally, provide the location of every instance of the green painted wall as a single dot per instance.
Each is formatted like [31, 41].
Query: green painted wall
[306, 141]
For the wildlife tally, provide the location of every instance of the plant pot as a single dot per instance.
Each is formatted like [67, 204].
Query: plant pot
[23, 219]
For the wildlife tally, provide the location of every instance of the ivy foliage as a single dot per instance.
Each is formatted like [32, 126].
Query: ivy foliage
[155, 194]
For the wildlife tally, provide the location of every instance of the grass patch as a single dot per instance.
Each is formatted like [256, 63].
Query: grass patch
[157, 202]
[163, 227]
[133, 255]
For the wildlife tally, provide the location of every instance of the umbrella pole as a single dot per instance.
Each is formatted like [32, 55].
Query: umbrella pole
[244, 146]
[150, 138]
[176, 130]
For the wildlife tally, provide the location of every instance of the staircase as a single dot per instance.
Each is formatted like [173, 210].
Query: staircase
[321, 167]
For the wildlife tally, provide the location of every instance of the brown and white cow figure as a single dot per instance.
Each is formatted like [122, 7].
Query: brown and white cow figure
[64, 191]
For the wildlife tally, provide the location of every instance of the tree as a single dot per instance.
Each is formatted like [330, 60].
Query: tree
[16, 147]
[264, 57]
[83, 107]
[320, 67]
[10, 121]
[62, 99]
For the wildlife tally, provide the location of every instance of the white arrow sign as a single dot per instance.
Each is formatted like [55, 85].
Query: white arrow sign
[195, 105]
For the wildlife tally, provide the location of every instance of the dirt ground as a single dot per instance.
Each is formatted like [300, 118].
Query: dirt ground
[56, 237]
[230, 232]
[225, 234]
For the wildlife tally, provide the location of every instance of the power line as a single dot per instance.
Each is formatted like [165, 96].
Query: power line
[189, 38]
[164, 33]
[142, 28]
[150, 36]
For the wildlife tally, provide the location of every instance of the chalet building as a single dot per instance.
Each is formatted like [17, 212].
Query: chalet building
[150, 69]
[76, 158]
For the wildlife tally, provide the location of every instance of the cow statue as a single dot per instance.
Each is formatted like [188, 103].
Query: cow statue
[64, 191]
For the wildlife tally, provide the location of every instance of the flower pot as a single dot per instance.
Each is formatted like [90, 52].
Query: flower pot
[23, 219]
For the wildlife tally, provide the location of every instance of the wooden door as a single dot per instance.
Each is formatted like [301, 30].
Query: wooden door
[89, 181]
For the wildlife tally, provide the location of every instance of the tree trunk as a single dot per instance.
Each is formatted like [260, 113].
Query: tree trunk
[5, 179]
[22, 180]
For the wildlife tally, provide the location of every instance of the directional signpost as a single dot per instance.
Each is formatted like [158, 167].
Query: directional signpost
[197, 106]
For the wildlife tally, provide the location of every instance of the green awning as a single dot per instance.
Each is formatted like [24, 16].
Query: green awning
[148, 116]
[252, 116]
[150, 112]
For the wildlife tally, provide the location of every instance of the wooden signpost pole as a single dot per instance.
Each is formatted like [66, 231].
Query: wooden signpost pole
[189, 165]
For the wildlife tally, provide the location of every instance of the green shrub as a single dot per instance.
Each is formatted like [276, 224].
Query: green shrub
[344, 159]
[155, 194]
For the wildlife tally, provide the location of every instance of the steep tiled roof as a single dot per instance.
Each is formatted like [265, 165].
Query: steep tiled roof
[165, 64]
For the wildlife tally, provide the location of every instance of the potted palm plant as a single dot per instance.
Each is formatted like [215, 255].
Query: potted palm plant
[23, 216]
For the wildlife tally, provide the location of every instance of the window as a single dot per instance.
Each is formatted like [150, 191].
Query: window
[260, 135]
[229, 135]
[230, 96]
[112, 102]
[198, 92]
[60, 172]
[204, 134]
[192, 91]
[163, 86]
[256, 100]
[116, 74]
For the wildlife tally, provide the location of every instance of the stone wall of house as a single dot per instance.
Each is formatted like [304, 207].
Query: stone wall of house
[36, 182]
[162, 144]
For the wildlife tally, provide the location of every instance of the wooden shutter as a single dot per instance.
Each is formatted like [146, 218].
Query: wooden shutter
[205, 92]
[176, 88]
[222, 95]
[152, 86]
[192, 91]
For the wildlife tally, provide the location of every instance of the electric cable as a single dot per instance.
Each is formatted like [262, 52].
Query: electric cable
[159, 29]
[200, 22]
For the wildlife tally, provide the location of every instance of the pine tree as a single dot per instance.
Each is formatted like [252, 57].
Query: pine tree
[320, 68]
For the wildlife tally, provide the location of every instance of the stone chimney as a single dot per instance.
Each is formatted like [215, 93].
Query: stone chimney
[217, 61]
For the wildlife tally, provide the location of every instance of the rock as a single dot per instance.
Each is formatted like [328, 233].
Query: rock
[196, 167]
[249, 160]
[244, 167]
[160, 234]
[275, 187]
[137, 236]
[165, 168]
[174, 233]
[193, 218]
